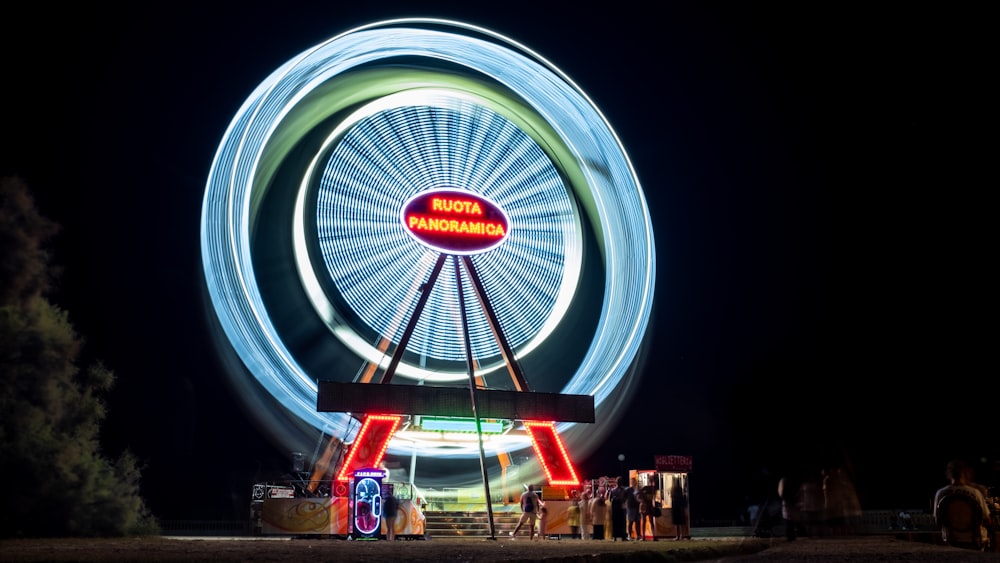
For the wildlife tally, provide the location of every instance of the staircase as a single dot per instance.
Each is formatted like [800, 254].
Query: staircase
[445, 524]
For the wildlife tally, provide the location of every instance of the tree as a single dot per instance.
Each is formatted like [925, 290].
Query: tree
[57, 481]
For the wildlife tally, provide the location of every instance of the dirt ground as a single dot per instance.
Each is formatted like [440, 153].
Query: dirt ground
[219, 550]
[222, 550]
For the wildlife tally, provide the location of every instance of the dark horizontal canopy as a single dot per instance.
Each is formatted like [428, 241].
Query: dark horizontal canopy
[375, 398]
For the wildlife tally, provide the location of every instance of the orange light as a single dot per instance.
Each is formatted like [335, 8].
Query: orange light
[551, 453]
[370, 444]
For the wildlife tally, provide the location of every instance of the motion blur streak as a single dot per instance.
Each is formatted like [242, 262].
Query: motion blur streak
[533, 142]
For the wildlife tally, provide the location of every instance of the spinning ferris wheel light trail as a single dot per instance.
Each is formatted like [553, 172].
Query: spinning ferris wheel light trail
[356, 166]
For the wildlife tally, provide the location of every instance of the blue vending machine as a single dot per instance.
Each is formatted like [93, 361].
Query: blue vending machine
[366, 503]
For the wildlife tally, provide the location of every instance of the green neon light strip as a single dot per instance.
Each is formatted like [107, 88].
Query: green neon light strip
[460, 425]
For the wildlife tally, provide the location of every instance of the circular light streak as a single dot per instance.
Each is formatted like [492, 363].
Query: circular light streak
[379, 114]
[435, 127]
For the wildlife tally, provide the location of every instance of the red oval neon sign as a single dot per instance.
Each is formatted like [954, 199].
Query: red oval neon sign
[455, 221]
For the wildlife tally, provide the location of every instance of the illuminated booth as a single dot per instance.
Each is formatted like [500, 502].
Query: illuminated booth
[279, 508]
[284, 508]
[669, 470]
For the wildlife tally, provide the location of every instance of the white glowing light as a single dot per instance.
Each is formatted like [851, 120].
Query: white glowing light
[401, 107]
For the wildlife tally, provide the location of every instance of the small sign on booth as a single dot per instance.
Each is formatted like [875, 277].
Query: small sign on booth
[675, 463]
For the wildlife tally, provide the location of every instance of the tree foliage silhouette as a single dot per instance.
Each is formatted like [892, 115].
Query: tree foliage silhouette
[57, 482]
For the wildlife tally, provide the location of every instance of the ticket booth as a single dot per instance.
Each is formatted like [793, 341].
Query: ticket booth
[670, 470]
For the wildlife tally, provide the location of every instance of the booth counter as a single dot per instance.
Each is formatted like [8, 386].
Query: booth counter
[328, 516]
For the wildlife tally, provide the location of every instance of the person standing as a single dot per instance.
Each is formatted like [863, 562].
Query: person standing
[616, 497]
[529, 506]
[678, 511]
[586, 504]
[647, 512]
[788, 492]
[598, 514]
[842, 509]
[390, 507]
[632, 496]
[833, 508]
[543, 520]
[752, 513]
[573, 514]
[811, 504]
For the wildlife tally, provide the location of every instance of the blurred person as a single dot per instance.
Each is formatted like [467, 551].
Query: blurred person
[894, 521]
[573, 514]
[647, 512]
[616, 498]
[752, 513]
[768, 519]
[586, 520]
[530, 503]
[840, 502]
[961, 482]
[543, 519]
[632, 502]
[788, 492]
[598, 515]
[905, 520]
[390, 508]
[678, 512]
[855, 515]
[810, 505]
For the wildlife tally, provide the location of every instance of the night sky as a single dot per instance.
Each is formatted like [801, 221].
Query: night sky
[818, 176]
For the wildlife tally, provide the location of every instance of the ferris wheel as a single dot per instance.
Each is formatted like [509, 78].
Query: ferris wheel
[315, 271]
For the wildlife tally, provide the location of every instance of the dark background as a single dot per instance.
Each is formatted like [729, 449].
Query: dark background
[818, 175]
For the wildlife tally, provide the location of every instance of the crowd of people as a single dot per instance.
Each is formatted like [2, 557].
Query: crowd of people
[825, 503]
[623, 513]
[633, 512]
[819, 503]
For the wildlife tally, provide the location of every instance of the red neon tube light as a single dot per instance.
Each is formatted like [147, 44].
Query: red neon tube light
[370, 444]
[551, 453]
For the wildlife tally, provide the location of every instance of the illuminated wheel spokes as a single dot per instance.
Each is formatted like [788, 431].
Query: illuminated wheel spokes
[480, 113]
[373, 263]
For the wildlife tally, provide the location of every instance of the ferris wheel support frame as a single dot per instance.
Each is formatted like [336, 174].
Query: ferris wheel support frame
[545, 440]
